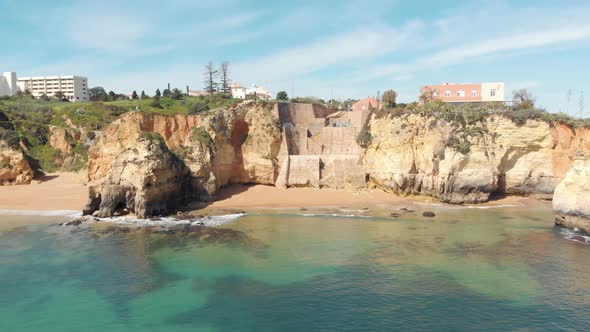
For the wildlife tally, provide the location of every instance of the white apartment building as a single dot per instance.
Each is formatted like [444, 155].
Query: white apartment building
[240, 92]
[8, 85]
[74, 88]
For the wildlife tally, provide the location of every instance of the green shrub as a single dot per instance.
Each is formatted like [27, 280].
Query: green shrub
[151, 137]
[199, 134]
[156, 103]
[10, 137]
[198, 106]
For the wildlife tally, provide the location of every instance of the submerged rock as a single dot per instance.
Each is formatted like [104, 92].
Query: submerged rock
[428, 214]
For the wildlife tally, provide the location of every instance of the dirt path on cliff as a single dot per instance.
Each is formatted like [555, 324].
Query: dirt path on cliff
[57, 191]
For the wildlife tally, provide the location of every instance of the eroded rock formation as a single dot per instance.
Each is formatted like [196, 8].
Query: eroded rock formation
[571, 201]
[237, 145]
[14, 166]
[146, 179]
[416, 154]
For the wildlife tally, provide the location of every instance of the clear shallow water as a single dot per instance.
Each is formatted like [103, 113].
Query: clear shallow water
[496, 269]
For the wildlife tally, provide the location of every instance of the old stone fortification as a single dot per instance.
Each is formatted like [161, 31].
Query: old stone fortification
[321, 147]
[416, 154]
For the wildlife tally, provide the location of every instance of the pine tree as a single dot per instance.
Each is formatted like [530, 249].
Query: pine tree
[143, 96]
[224, 71]
[209, 77]
[134, 95]
[158, 93]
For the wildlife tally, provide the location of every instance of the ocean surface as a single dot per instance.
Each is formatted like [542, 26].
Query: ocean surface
[497, 269]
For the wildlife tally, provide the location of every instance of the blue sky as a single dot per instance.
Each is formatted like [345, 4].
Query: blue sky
[317, 48]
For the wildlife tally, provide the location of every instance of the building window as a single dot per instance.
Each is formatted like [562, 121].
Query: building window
[460, 93]
[492, 92]
[447, 93]
[473, 93]
[435, 94]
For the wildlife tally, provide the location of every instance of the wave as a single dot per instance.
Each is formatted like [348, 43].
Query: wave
[173, 221]
[575, 235]
[48, 213]
[336, 215]
[458, 207]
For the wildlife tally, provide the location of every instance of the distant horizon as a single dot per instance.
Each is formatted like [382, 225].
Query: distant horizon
[328, 49]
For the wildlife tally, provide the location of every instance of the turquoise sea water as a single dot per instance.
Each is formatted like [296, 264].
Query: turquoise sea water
[498, 269]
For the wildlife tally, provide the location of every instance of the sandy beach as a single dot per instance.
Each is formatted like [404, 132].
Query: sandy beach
[57, 191]
[66, 191]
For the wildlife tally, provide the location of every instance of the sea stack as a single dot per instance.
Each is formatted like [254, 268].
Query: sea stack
[571, 201]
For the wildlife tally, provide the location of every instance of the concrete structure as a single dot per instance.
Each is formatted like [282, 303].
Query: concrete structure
[74, 88]
[320, 147]
[8, 85]
[240, 92]
[365, 104]
[466, 92]
[197, 93]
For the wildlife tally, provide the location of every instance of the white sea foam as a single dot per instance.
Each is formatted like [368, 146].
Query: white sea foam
[574, 235]
[49, 213]
[458, 207]
[357, 211]
[172, 221]
[332, 215]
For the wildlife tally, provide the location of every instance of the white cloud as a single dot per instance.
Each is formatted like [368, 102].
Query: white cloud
[359, 44]
[521, 41]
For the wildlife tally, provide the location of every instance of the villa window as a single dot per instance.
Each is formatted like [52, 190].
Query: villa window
[460, 93]
[435, 94]
[474, 93]
[447, 93]
[492, 92]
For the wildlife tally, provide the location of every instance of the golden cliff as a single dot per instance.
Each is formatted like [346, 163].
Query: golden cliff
[571, 201]
[14, 166]
[460, 162]
[237, 145]
[456, 161]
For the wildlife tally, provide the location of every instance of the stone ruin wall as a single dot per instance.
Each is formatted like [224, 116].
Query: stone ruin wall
[319, 154]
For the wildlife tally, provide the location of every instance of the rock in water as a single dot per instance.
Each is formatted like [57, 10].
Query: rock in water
[146, 179]
[428, 214]
[571, 201]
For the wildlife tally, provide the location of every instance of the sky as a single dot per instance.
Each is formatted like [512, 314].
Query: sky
[328, 49]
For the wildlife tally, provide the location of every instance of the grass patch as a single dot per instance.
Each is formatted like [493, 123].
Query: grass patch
[47, 158]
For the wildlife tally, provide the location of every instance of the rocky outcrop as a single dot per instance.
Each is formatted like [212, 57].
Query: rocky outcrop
[417, 154]
[14, 166]
[146, 180]
[236, 145]
[571, 201]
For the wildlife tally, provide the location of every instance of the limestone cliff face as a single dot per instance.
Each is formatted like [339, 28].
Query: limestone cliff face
[14, 167]
[416, 154]
[237, 145]
[146, 179]
[571, 201]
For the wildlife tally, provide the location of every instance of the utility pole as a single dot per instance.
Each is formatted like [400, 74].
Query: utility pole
[186, 99]
[568, 99]
[581, 104]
